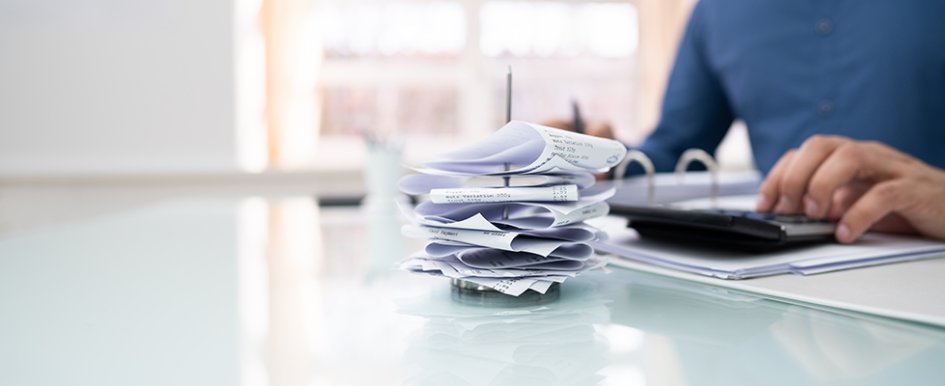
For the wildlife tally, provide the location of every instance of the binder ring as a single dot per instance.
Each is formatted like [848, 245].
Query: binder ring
[699, 155]
[646, 163]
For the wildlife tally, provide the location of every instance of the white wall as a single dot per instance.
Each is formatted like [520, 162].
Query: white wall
[117, 86]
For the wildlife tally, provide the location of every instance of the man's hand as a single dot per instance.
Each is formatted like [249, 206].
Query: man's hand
[864, 185]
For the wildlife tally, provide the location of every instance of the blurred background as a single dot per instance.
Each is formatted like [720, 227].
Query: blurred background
[167, 96]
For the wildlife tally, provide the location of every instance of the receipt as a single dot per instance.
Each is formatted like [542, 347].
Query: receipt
[508, 241]
[422, 183]
[521, 215]
[479, 195]
[496, 259]
[576, 251]
[530, 149]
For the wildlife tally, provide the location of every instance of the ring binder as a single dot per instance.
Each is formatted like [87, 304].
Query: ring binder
[689, 156]
[646, 163]
[708, 161]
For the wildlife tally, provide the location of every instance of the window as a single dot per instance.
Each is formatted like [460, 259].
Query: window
[359, 30]
[432, 73]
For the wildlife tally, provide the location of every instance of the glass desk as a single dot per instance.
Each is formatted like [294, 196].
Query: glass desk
[284, 292]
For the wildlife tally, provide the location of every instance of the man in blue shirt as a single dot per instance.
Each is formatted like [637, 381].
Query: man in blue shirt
[862, 69]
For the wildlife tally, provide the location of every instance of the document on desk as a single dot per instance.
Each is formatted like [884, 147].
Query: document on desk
[911, 291]
[872, 249]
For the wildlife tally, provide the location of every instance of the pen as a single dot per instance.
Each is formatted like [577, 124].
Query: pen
[577, 121]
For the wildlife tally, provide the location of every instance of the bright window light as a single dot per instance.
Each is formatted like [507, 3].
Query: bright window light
[609, 30]
[392, 29]
[549, 29]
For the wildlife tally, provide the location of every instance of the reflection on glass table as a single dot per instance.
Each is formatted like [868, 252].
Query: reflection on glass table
[722, 337]
[480, 344]
[285, 292]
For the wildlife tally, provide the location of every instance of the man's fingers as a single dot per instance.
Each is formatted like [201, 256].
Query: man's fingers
[843, 198]
[769, 191]
[861, 183]
[876, 203]
[797, 176]
[838, 170]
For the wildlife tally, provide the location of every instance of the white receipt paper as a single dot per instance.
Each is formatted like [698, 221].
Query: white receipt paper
[479, 195]
[423, 183]
[530, 149]
[522, 215]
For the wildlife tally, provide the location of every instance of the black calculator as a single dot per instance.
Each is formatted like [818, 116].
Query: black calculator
[739, 229]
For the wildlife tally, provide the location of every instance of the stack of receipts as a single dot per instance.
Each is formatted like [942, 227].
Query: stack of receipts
[508, 212]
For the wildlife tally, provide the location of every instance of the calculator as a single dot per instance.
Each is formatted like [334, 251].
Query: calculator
[739, 229]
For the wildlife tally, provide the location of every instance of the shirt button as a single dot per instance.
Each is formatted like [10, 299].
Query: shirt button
[825, 108]
[824, 27]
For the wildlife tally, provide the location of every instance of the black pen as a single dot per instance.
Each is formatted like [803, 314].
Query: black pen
[578, 122]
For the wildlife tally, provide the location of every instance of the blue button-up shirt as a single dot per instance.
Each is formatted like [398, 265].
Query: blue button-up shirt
[866, 69]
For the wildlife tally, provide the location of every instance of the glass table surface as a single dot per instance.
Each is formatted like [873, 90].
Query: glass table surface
[286, 292]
